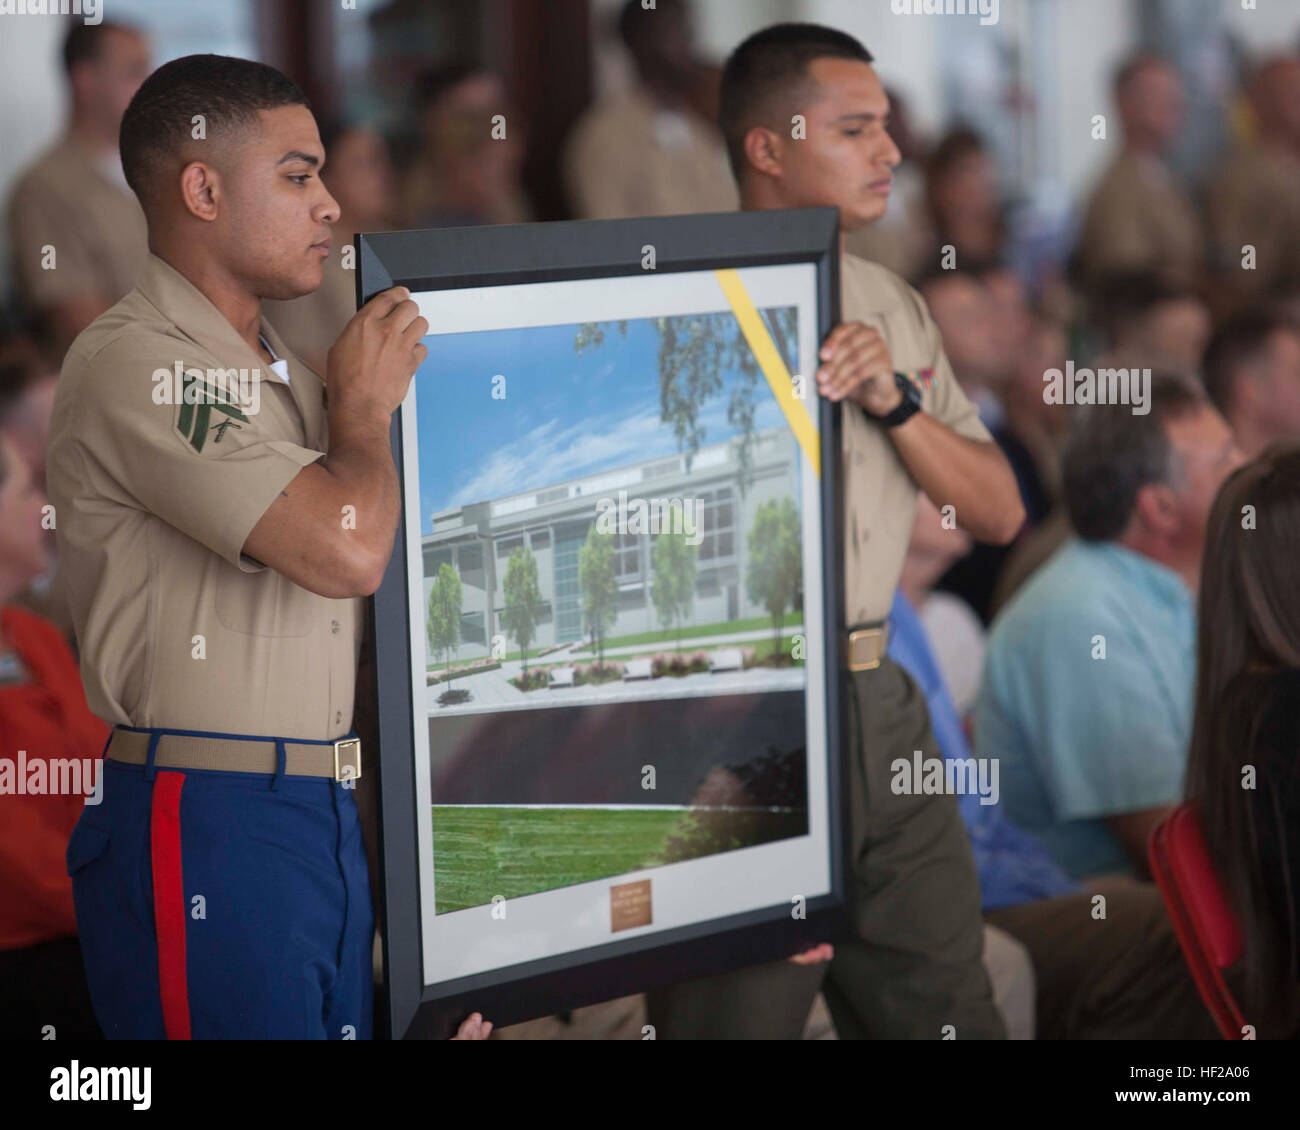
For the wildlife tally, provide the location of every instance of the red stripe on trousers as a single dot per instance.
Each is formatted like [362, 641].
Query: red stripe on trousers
[169, 903]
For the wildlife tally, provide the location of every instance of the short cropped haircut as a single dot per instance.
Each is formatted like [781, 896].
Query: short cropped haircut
[1122, 299]
[226, 92]
[84, 41]
[1240, 341]
[770, 62]
[1112, 454]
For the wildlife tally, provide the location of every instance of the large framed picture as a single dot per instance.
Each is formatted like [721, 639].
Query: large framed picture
[610, 714]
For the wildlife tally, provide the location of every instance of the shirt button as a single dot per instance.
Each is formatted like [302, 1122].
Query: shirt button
[338, 717]
[334, 627]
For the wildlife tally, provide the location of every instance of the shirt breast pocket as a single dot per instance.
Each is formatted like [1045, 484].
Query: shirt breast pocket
[263, 604]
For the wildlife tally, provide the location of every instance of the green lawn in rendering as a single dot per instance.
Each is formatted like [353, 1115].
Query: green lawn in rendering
[482, 852]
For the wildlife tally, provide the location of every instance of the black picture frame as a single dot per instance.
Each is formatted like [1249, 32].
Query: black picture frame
[447, 259]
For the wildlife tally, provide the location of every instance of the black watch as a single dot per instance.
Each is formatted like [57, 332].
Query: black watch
[909, 407]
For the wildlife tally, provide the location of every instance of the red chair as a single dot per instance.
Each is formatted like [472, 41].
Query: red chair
[1203, 920]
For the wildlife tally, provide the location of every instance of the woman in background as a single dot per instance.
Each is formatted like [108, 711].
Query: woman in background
[1243, 771]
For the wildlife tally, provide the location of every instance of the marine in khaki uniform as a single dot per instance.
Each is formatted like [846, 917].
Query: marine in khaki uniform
[649, 152]
[76, 232]
[913, 966]
[1253, 200]
[218, 524]
[1140, 216]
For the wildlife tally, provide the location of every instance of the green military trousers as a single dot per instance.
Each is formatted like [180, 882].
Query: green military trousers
[914, 965]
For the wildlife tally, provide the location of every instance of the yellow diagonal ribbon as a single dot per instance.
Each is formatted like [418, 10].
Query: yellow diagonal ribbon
[773, 365]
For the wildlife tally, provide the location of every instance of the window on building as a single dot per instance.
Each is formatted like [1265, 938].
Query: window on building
[507, 546]
[716, 515]
[540, 539]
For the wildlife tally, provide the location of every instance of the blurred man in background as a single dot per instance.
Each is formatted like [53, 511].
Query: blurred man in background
[1087, 687]
[1140, 216]
[1252, 373]
[77, 232]
[1151, 322]
[467, 171]
[1252, 202]
[650, 152]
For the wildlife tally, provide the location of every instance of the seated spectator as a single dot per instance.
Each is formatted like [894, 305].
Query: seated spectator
[1087, 688]
[27, 383]
[1243, 773]
[650, 151]
[956, 633]
[1252, 373]
[982, 327]
[76, 230]
[1151, 323]
[1140, 216]
[43, 714]
[1117, 977]
[359, 176]
[463, 175]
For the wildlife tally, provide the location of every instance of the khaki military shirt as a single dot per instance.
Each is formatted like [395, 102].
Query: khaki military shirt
[879, 492]
[154, 499]
[93, 223]
[629, 157]
[1140, 218]
[1255, 201]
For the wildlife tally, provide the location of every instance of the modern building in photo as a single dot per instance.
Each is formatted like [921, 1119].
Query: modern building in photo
[478, 539]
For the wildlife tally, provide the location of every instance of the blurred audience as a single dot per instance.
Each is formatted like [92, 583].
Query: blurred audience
[1243, 773]
[650, 151]
[27, 383]
[1151, 323]
[467, 170]
[1252, 202]
[359, 176]
[1087, 686]
[44, 719]
[955, 631]
[76, 230]
[1140, 216]
[1252, 373]
[1123, 979]
[986, 327]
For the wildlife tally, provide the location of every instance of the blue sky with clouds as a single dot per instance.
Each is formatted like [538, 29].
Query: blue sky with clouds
[564, 415]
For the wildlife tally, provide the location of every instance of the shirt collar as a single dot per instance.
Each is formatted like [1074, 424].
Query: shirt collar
[1158, 580]
[192, 312]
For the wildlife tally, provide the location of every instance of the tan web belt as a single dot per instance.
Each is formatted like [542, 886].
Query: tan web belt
[339, 760]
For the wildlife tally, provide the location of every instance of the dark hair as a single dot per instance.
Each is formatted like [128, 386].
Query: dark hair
[1241, 340]
[768, 62]
[84, 41]
[1112, 453]
[225, 91]
[1122, 298]
[1248, 630]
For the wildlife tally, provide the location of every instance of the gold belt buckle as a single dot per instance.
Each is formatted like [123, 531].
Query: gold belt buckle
[865, 647]
[347, 759]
